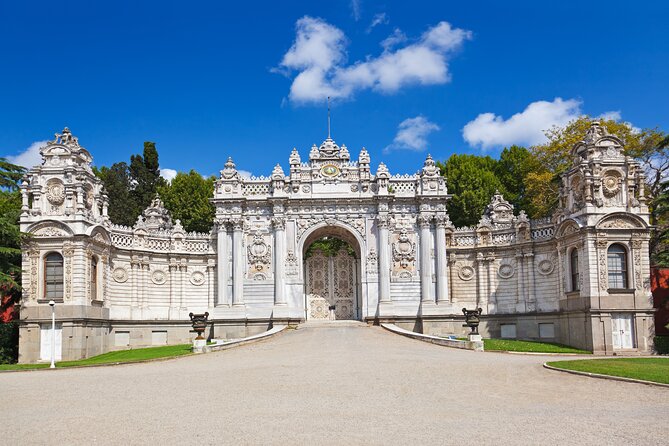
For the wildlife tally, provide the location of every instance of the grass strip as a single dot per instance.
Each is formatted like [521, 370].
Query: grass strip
[513, 345]
[123, 356]
[647, 369]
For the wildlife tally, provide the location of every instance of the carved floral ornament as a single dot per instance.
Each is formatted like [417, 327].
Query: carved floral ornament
[197, 278]
[404, 250]
[159, 277]
[120, 274]
[466, 272]
[506, 271]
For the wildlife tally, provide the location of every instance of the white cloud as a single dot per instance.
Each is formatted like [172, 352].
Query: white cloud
[319, 53]
[525, 128]
[168, 174]
[378, 19]
[393, 40]
[355, 9]
[245, 174]
[29, 157]
[412, 134]
[611, 115]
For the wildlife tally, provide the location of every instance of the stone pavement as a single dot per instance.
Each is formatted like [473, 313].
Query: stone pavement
[330, 384]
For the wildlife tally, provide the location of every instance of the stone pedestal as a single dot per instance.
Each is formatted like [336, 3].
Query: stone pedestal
[198, 345]
[475, 338]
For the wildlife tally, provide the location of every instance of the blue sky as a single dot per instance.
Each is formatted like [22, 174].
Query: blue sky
[206, 80]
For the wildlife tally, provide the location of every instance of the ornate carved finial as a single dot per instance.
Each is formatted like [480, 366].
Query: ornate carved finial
[364, 157]
[294, 157]
[156, 216]
[314, 154]
[230, 170]
[430, 168]
[277, 173]
[66, 138]
[382, 171]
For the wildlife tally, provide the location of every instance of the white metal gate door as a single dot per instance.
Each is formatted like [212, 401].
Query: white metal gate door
[621, 330]
[330, 284]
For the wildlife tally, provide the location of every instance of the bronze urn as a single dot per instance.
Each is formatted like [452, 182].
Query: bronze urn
[199, 322]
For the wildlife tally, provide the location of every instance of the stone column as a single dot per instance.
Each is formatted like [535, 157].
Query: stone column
[279, 266]
[211, 267]
[222, 264]
[520, 290]
[490, 260]
[384, 260]
[442, 266]
[451, 267]
[530, 271]
[425, 259]
[237, 262]
[481, 300]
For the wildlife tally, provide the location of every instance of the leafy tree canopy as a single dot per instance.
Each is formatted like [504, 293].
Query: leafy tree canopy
[187, 198]
[131, 188]
[472, 181]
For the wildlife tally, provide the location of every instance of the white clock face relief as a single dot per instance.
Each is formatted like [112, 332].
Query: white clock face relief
[330, 170]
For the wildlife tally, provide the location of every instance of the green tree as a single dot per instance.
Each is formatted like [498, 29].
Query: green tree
[10, 258]
[117, 183]
[187, 198]
[10, 175]
[514, 165]
[131, 188]
[660, 254]
[472, 181]
[145, 175]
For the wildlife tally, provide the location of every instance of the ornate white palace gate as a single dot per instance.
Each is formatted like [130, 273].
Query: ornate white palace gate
[331, 286]
[118, 286]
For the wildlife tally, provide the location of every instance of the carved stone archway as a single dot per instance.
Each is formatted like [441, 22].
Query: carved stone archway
[332, 282]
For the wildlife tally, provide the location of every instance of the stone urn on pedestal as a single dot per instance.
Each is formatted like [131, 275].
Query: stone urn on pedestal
[472, 320]
[199, 322]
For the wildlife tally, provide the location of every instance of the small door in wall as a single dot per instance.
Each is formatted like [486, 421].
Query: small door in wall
[45, 342]
[621, 331]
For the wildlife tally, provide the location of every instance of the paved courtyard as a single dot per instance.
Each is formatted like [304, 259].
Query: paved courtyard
[330, 384]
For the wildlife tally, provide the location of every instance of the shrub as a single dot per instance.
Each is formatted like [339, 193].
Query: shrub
[9, 342]
[661, 345]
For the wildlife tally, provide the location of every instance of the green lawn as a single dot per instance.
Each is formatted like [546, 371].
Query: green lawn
[647, 369]
[512, 345]
[134, 355]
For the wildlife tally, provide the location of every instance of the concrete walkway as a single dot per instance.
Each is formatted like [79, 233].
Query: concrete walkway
[330, 384]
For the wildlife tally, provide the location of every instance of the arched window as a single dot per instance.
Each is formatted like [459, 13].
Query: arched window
[53, 276]
[573, 266]
[617, 266]
[94, 278]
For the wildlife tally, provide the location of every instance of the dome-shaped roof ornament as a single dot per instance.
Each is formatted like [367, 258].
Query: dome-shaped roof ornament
[430, 168]
[382, 171]
[277, 173]
[364, 158]
[294, 157]
[230, 170]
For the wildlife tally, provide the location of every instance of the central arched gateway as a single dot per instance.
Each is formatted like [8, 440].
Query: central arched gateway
[332, 274]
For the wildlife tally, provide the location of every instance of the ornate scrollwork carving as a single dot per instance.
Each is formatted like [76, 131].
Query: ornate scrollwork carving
[259, 252]
[55, 192]
[404, 250]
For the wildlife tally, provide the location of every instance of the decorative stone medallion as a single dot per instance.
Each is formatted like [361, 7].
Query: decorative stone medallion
[545, 267]
[466, 272]
[159, 277]
[505, 271]
[197, 278]
[55, 192]
[120, 275]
